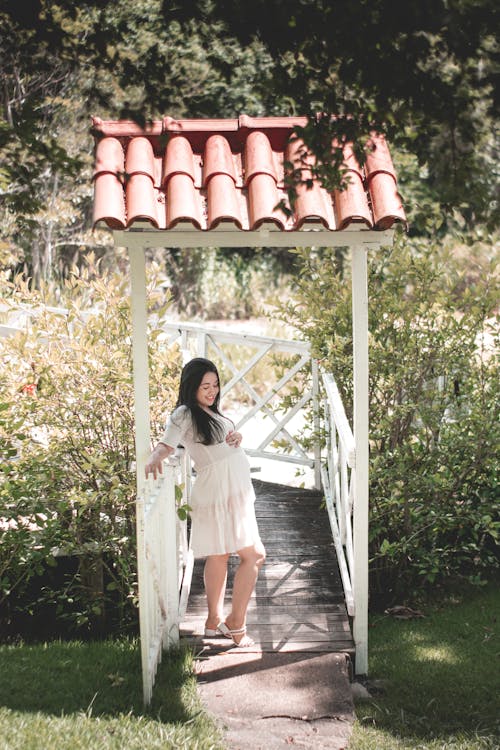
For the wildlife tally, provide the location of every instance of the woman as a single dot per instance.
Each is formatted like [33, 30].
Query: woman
[222, 500]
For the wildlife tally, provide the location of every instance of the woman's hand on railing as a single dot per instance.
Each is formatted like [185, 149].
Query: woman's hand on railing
[154, 464]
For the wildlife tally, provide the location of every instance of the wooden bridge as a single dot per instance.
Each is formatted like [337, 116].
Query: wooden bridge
[298, 604]
[312, 592]
[306, 597]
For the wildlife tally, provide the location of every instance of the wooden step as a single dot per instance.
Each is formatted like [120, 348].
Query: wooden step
[298, 603]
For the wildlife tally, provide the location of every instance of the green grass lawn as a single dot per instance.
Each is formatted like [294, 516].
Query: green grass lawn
[66, 696]
[441, 690]
[442, 678]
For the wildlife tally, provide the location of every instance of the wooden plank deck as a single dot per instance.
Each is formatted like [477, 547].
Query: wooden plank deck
[298, 604]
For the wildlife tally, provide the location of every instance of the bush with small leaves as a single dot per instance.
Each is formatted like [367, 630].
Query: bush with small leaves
[67, 487]
[434, 402]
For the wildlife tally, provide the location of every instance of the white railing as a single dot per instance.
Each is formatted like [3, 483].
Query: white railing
[338, 475]
[164, 563]
[241, 355]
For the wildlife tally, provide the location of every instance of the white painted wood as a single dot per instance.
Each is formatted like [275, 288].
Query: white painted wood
[199, 341]
[161, 590]
[282, 457]
[341, 559]
[342, 518]
[10, 330]
[316, 423]
[361, 426]
[306, 398]
[227, 337]
[140, 362]
[246, 369]
[340, 418]
[142, 447]
[150, 237]
[335, 473]
[170, 560]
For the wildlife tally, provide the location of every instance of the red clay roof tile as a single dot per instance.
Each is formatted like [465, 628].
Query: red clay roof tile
[109, 199]
[351, 204]
[205, 173]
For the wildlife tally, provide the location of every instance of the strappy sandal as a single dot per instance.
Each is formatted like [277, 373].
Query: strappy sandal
[214, 632]
[245, 640]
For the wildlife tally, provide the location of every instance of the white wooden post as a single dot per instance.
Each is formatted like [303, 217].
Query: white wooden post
[361, 417]
[142, 434]
[140, 361]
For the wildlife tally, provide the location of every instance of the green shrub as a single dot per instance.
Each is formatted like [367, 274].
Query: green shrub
[216, 283]
[67, 486]
[434, 398]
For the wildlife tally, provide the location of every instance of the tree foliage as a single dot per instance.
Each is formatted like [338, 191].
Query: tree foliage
[63, 62]
[426, 73]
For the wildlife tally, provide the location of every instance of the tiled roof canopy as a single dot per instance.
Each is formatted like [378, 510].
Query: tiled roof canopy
[205, 174]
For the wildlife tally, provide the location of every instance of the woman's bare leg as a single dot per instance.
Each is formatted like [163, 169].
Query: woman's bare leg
[215, 577]
[245, 578]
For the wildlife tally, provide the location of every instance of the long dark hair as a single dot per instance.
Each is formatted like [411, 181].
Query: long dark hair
[208, 429]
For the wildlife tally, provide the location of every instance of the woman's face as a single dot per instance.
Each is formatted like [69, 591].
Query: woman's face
[208, 390]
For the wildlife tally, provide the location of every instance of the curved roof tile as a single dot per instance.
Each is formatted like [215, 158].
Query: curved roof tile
[140, 158]
[178, 158]
[218, 159]
[109, 173]
[386, 202]
[140, 187]
[182, 202]
[378, 158]
[208, 172]
[260, 178]
[312, 204]
[382, 186]
[259, 157]
[222, 201]
[351, 203]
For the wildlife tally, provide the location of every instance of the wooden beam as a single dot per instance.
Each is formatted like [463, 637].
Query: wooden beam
[231, 237]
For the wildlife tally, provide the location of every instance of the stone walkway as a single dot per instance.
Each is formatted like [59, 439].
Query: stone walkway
[269, 701]
[292, 688]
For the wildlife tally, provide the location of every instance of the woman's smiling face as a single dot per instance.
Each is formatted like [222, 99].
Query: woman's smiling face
[207, 390]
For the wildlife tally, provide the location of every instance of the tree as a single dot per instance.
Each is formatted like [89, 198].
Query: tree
[62, 62]
[425, 73]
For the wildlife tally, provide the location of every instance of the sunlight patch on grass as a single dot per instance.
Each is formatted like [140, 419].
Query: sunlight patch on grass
[436, 653]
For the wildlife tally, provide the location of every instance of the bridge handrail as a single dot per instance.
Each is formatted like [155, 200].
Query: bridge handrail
[338, 477]
[340, 418]
[230, 336]
[164, 562]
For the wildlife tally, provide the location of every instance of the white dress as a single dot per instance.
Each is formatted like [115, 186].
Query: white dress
[223, 499]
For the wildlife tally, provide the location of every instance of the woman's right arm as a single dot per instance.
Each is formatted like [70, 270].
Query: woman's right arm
[155, 461]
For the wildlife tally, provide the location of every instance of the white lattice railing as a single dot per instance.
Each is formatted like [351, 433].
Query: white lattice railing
[164, 562]
[242, 354]
[338, 475]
